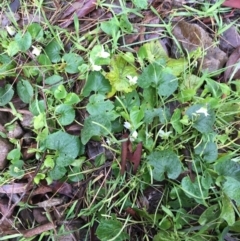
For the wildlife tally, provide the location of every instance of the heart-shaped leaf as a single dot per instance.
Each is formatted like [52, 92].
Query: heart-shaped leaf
[165, 161]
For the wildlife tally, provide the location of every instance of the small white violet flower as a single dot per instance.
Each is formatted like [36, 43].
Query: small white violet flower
[132, 80]
[95, 67]
[108, 142]
[133, 136]
[202, 110]
[103, 54]
[164, 135]
[127, 125]
[11, 30]
[36, 51]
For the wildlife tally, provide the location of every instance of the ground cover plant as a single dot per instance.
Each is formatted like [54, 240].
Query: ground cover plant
[119, 120]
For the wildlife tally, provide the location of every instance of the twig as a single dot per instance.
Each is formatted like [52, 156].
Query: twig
[27, 112]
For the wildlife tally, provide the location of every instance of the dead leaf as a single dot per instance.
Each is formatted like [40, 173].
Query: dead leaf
[124, 152]
[50, 202]
[191, 37]
[62, 188]
[80, 9]
[38, 230]
[39, 215]
[231, 72]
[14, 188]
[15, 5]
[230, 38]
[4, 207]
[94, 149]
[232, 3]
[136, 157]
[128, 154]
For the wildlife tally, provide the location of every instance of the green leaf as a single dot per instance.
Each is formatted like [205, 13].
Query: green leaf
[158, 77]
[24, 41]
[14, 154]
[54, 79]
[25, 91]
[208, 151]
[6, 65]
[136, 116]
[57, 172]
[95, 56]
[149, 115]
[165, 236]
[235, 227]
[16, 170]
[64, 143]
[150, 97]
[164, 115]
[53, 51]
[39, 177]
[177, 66]
[39, 121]
[6, 94]
[165, 161]
[60, 92]
[168, 83]
[13, 48]
[153, 51]
[36, 107]
[91, 129]
[75, 174]
[120, 70]
[193, 190]
[206, 180]
[44, 60]
[130, 100]
[150, 76]
[97, 105]
[191, 82]
[97, 83]
[209, 215]
[111, 230]
[36, 31]
[227, 213]
[71, 99]
[142, 4]
[125, 25]
[65, 114]
[110, 27]
[73, 61]
[175, 121]
[203, 123]
[231, 188]
[228, 168]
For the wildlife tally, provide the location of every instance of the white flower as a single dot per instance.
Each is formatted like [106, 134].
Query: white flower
[202, 110]
[133, 136]
[108, 141]
[127, 125]
[11, 30]
[103, 54]
[95, 67]
[132, 80]
[36, 51]
[163, 134]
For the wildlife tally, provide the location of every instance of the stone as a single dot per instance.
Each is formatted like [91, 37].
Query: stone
[191, 37]
[5, 148]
